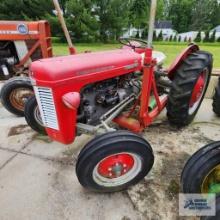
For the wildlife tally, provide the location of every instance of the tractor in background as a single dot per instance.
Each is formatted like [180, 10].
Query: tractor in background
[114, 95]
[21, 43]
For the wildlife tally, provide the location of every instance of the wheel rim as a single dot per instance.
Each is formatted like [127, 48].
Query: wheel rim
[37, 116]
[198, 91]
[19, 96]
[211, 183]
[117, 169]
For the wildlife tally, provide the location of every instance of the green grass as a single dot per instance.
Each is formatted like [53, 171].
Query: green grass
[171, 49]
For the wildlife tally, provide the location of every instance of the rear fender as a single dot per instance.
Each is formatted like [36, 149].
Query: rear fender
[180, 58]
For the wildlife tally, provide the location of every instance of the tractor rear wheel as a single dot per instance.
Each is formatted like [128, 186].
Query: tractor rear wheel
[188, 88]
[15, 93]
[216, 100]
[201, 173]
[114, 161]
[33, 117]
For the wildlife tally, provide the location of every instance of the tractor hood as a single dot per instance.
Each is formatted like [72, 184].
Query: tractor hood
[85, 65]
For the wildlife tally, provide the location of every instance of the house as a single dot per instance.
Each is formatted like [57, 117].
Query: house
[132, 32]
[166, 28]
[189, 36]
[217, 29]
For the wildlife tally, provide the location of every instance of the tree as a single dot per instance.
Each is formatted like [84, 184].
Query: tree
[155, 36]
[113, 16]
[201, 18]
[215, 14]
[25, 9]
[198, 37]
[179, 12]
[212, 37]
[137, 34]
[145, 33]
[206, 38]
[160, 36]
[139, 13]
[170, 38]
[218, 40]
[81, 21]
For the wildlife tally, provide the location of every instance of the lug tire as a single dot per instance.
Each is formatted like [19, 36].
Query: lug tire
[183, 85]
[9, 87]
[29, 113]
[217, 216]
[216, 100]
[112, 143]
[199, 166]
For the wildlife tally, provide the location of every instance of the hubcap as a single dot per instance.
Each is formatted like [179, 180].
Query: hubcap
[19, 96]
[117, 169]
[198, 91]
[211, 183]
[116, 165]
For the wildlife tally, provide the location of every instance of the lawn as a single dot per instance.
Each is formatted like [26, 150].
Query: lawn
[170, 49]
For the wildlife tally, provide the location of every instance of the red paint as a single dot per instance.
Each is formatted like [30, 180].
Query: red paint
[177, 62]
[124, 161]
[72, 50]
[72, 73]
[129, 123]
[72, 100]
[198, 89]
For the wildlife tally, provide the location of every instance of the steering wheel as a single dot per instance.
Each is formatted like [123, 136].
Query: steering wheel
[133, 42]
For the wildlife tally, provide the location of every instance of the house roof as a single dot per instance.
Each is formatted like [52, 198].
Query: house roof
[163, 25]
[217, 29]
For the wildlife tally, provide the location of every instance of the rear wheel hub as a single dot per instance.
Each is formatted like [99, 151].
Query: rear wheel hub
[198, 91]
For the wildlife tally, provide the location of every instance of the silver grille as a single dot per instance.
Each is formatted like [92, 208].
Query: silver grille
[47, 109]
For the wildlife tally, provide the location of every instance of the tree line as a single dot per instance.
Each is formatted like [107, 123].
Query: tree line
[106, 20]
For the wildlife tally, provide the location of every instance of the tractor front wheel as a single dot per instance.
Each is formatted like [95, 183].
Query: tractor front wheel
[15, 93]
[188, 88]
[216, 100]
[114, 161]
[33, 117]
[201, 173]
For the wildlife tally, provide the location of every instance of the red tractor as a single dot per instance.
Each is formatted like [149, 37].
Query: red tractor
[102, 93]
